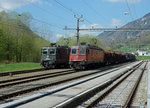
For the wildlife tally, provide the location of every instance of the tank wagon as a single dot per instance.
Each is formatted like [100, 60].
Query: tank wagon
[86, 55]
[55, 56]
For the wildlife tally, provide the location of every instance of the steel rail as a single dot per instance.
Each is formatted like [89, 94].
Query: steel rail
[34, 78]
[132, 93]
[110, 89]
[19, 72]
[87, 94]
[13, 94]
[41, 94]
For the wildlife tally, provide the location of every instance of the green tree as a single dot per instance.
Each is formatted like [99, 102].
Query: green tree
[18, 43]
[88, 39]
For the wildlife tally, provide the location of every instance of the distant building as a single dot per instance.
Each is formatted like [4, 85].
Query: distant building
[143, 53]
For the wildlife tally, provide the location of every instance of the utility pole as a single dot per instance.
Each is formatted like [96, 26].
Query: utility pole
[78, 20]
[78, 29]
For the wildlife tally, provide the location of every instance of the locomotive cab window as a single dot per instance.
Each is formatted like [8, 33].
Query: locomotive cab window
[82, 51]
[52, 51]
[44, 51]
[73, 51]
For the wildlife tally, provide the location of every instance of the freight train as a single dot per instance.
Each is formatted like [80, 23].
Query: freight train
[55, 56]
[86, 55]
[81, 57]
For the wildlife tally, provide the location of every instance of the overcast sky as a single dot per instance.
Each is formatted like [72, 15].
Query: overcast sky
[96, 13]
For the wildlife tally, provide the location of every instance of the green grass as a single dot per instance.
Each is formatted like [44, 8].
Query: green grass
[19, 66]
[143, 57]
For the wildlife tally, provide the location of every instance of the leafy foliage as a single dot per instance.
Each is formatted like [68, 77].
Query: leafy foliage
[88, 39]
[17, 41]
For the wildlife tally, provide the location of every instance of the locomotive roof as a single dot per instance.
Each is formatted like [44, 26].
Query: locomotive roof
[49, 47]
[87, 46]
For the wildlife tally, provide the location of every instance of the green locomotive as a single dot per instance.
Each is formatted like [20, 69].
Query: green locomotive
[55, 56]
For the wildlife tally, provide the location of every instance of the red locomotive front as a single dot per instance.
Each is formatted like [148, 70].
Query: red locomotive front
[85, 56]
[78, 57]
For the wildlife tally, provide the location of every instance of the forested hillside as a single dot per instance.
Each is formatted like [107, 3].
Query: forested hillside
[88, 39]
[17, 41]
[141, 42]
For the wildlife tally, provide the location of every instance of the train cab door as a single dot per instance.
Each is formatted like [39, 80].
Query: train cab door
[87, 54]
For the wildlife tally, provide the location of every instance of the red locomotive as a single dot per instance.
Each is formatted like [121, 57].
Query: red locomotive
[86, 55]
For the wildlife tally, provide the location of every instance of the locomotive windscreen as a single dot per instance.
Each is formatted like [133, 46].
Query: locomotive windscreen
[82, 51]
[52, 51]
[45, 51]
[73, 51]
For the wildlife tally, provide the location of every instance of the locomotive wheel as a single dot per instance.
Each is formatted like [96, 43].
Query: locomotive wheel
[83, 67]
[47, 65]
[53, 66]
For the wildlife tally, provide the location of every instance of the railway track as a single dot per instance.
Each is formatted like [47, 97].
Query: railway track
[119, 94]
[16, 81]
[11, 73]
[7, 94]
[10, 95]
[11, 80]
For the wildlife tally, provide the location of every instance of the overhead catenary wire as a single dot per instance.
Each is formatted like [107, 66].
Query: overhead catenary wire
[87, 20]
[134, 8]
[47, 23]
[129, 9]
[93, 9]
[71, 10]
[50, 13]
[4, 9]
[41, 21]
[34, 19]
[19, 27]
